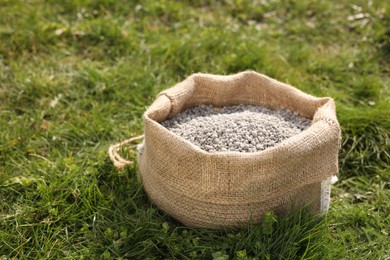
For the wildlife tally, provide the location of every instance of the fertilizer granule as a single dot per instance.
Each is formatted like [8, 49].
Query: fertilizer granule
[240, 128]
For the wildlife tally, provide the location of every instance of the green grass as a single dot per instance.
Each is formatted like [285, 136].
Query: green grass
[76, 76]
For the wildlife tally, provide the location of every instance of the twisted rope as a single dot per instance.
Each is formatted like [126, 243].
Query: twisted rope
[118, 161]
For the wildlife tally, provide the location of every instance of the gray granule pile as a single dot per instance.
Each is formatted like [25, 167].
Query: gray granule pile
[240, 128]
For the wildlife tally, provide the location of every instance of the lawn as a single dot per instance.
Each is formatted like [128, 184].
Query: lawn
[76, 76]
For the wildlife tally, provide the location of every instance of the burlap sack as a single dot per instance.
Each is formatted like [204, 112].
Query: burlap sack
[202, 189]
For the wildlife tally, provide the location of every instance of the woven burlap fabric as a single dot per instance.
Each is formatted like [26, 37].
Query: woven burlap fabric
[211, 190]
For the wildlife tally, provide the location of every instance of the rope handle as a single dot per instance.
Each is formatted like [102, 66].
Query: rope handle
[118, 161]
